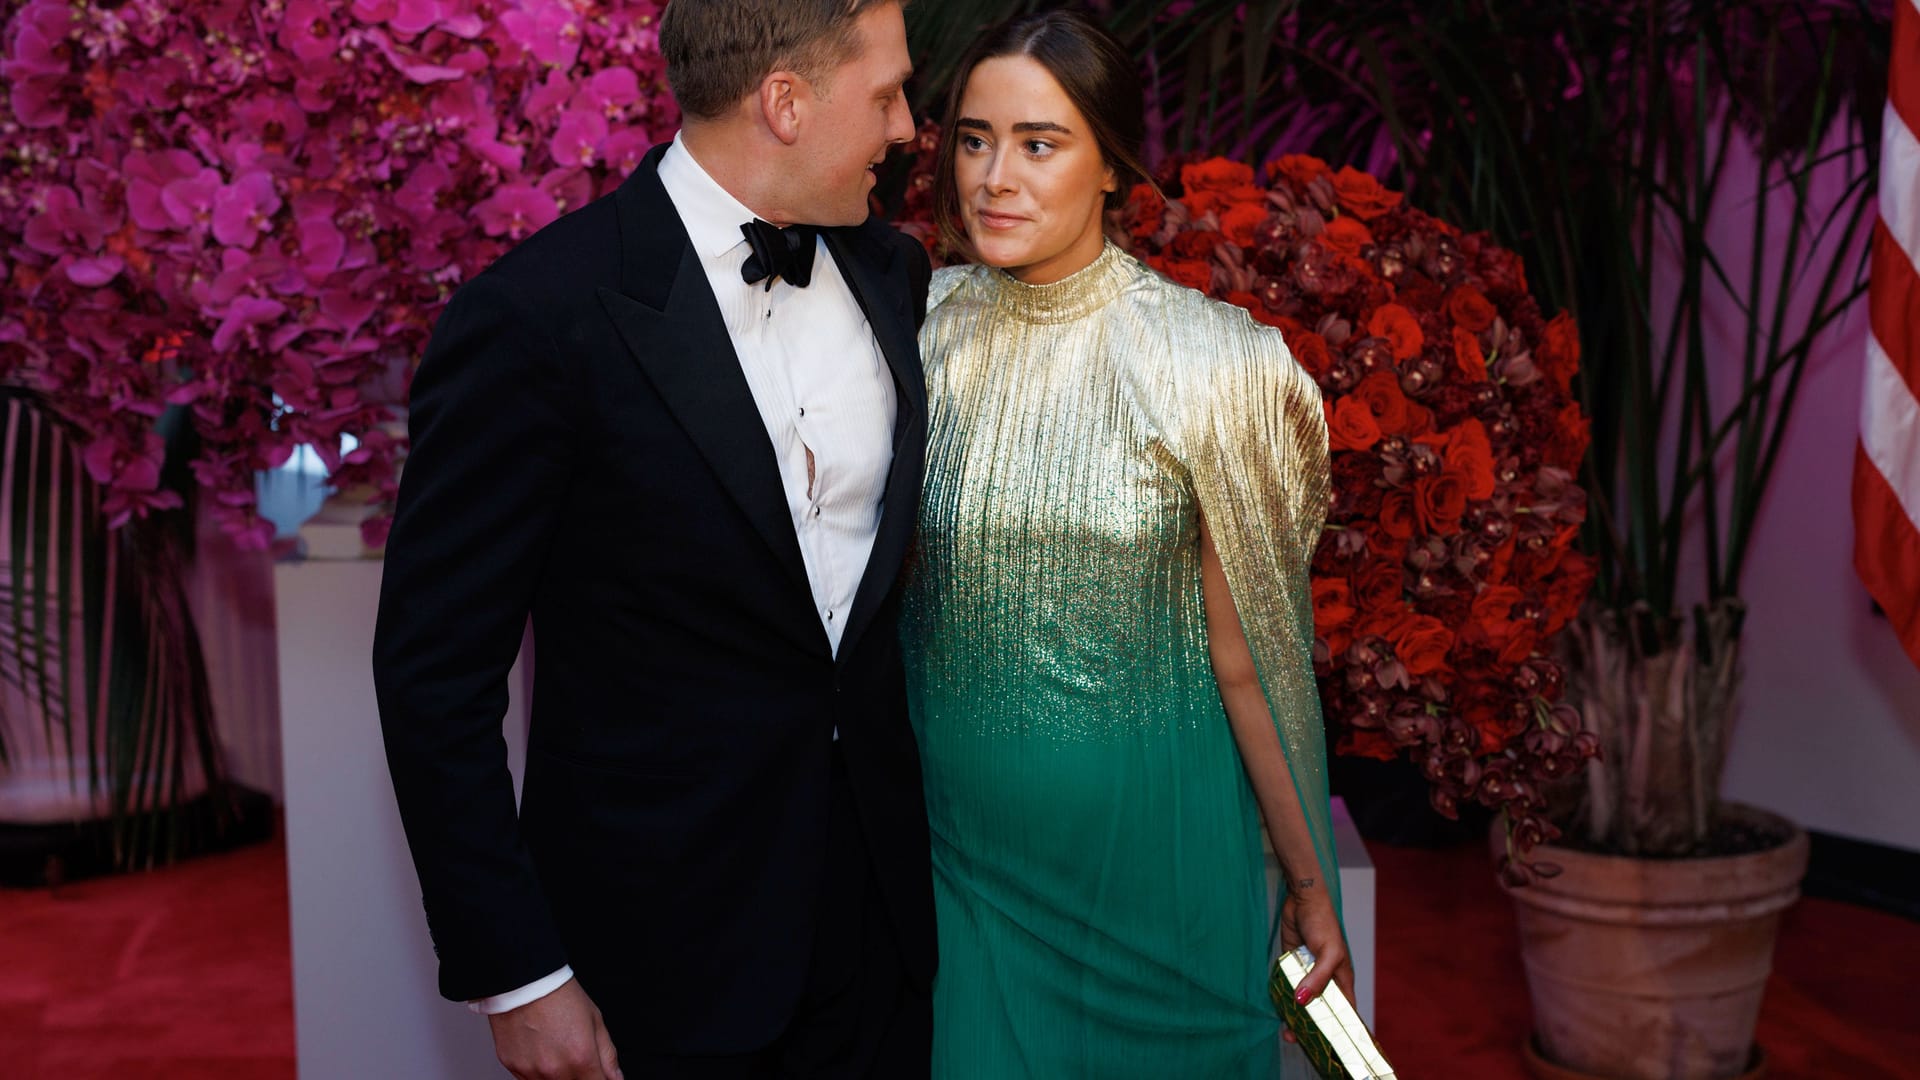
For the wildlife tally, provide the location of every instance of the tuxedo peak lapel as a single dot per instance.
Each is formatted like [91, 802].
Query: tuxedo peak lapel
[667, 316]
[877, 273]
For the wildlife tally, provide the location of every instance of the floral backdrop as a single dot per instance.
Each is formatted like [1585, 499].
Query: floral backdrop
[256, 208]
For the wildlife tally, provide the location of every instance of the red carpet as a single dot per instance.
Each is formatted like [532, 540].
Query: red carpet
[184, 973]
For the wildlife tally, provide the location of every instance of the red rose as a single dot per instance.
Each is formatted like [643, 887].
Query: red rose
[1379, 584]
[1347, 236]
[1239, 219]
[1572, 432]
[1216, 174]
[1360, 194]
[1195, 244]
[1399, 327]
[1416, 290]
[1559, 351]
[1397, 514]
[1332, 604]
[1201, 202]
[1193, 273]
[1422, 643]
[1470, 309]
[1469, 455]
[1309, 348]
[1351, 425]
[1492, 616]
[1520, 645]
[1359, 742]
[1302, 169]
[1145, 210]
[1440, 500]
[1467, 357]
[1568, 590]
[1381, 393]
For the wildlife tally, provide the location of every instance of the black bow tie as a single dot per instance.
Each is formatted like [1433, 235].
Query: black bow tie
[779, 253]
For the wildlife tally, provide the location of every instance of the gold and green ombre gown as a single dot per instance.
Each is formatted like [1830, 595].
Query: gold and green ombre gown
[1096, 844]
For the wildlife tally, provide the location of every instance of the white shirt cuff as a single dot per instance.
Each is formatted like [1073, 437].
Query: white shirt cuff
[526, 995]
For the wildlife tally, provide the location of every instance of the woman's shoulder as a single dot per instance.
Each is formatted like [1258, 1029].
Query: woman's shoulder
[949, 281]
[1212, 333]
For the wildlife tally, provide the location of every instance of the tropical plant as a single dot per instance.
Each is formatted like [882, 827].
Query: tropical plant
[99, 656]
[1607, 145]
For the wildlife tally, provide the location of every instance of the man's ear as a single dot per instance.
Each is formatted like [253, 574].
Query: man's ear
[780, 97]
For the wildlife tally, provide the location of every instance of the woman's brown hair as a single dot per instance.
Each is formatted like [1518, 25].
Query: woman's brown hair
[1098, 77]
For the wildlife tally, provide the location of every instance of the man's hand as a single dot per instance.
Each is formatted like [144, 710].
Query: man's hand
[1307, 917]
[558, 1037]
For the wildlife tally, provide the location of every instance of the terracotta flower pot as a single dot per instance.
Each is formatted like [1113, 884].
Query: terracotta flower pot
[1653, 969]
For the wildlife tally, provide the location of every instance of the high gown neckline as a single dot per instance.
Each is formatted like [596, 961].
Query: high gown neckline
[1075, 296]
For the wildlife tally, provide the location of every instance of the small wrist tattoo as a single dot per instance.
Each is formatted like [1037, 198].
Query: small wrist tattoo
[1304, 883]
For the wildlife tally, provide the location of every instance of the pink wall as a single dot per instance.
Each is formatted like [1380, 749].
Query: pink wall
[1829, 732]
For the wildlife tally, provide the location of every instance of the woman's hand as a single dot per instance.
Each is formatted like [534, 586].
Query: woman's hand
[1307, 917]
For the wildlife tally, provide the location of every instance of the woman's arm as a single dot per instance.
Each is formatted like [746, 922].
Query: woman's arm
[1307, 914]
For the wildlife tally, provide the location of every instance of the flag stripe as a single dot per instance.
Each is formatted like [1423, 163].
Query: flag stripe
[1890, 429]
[1886, 552]
[1900, 183]
[1886, 466]
[1903, 79]
[1893, 299]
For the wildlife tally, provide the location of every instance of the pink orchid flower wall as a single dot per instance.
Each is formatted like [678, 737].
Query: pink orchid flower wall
[257, 208]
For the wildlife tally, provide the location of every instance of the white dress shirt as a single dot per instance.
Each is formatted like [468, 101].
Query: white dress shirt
[824, 393]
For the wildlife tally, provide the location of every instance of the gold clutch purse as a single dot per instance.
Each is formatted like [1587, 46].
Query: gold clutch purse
[1331, 1033]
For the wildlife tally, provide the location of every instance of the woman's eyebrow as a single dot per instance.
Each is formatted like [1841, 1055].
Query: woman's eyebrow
[1023, 126]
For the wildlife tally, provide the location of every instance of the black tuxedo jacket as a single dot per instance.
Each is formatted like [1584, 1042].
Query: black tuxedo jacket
[586, 449]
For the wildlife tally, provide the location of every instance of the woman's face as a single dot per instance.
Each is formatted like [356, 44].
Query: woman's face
[1031, 181]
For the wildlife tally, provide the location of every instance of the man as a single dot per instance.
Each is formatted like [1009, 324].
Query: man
[685, 433]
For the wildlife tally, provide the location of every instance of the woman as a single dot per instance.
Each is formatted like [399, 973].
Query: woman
[1109, 628]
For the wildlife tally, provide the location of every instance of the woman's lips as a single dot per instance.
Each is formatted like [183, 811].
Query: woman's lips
[999, 221]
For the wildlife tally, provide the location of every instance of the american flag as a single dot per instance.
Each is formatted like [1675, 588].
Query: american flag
[1886, 468]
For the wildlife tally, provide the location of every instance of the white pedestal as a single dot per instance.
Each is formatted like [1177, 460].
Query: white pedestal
[1357, 905]
[364, 983]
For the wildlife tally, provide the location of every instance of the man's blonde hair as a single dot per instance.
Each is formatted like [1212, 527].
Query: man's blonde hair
[717, 51]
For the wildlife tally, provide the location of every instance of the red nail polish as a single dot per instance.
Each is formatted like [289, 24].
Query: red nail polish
[1301, 997]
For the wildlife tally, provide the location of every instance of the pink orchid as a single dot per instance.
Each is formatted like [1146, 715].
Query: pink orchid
[515, 211]
[612, 91]
[244, 209]
[242, 317]
[624, 149]
[189, 200]
[552, 33]
[264, 214]
[65, 225]
[310, 30]
[374, 11]
[414, 69]
[552, 95]
[94, 272]
[419, 196]
[411, 18]
[578, 139]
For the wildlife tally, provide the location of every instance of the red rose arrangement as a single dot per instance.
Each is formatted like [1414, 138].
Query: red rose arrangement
[1447, 564]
